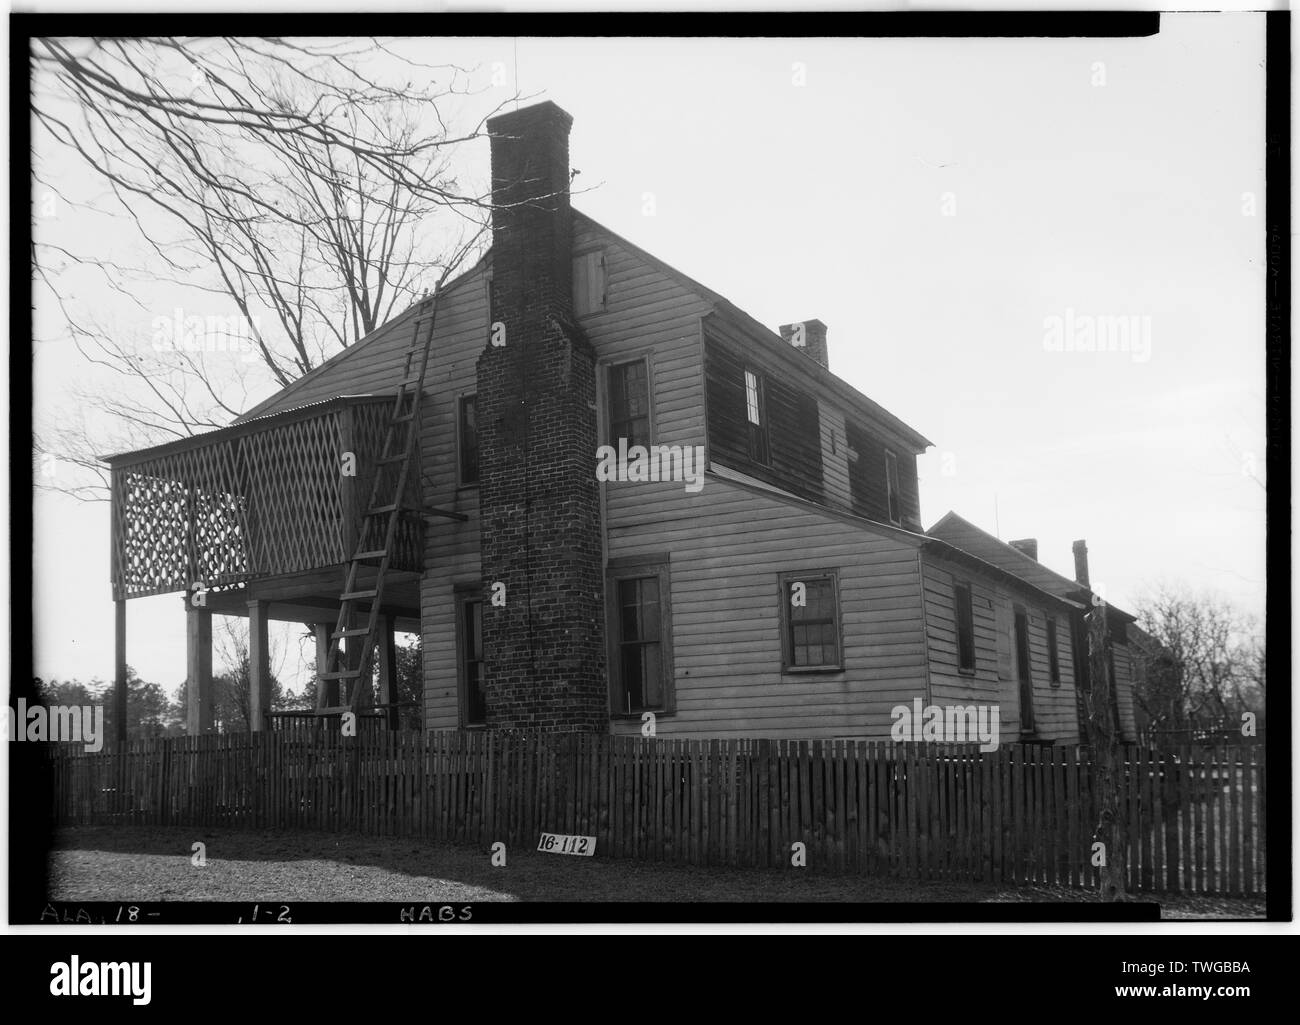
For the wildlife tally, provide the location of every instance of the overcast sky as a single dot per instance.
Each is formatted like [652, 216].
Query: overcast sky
[936, 203]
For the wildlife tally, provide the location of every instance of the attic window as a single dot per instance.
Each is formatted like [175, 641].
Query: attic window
[892, 489]
[589, 283]
[756, 415]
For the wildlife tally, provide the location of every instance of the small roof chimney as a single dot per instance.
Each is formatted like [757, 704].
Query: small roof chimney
[810, 337]
[1027, 545]
[1081, 563]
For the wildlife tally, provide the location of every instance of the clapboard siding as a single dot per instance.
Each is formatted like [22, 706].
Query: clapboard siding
[727, 546]
[646, 313]
[995, 680]
[451, 546]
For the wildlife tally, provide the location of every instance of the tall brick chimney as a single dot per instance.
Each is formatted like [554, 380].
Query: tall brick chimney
[813, 335]
[1026, 545]
[1081, 563]
[544, 649]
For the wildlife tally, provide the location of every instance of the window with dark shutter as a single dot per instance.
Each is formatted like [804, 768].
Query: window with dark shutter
[965, 615]
[1053, 654]
[1023, 671]
[589, 283]
[467, 439]
[894, 496]
[469, 645]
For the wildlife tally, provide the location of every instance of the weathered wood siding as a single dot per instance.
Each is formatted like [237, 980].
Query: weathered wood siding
[793, 430]
[867, 487]
[995, 680]
[835, 456]
[727, 620]
[1124, 691]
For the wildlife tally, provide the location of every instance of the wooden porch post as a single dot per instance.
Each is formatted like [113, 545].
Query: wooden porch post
[388, 670]
[259, 666]
[327, 691]
[119, 669]
[198, 675]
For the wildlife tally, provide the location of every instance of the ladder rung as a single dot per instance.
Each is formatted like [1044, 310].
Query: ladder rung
[378, 553]
[402, 418]
[352, 595]
[342, 674]
[357, 631]
[380, 510]
[395, 459]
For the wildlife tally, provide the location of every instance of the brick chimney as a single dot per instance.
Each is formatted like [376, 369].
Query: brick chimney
[812, 335]
[1027, 545]
[544, 650]
[1081, 563]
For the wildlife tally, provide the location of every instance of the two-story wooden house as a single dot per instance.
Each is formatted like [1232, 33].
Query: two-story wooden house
[780, 584]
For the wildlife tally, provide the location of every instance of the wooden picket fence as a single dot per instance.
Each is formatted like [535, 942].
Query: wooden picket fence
[1020, 815]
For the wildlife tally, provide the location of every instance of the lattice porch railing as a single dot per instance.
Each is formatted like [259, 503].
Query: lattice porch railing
[265, 497]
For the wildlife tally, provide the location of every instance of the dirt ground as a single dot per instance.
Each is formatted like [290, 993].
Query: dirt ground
[104, 864]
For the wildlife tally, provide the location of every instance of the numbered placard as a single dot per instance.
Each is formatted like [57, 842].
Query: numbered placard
[561, 843]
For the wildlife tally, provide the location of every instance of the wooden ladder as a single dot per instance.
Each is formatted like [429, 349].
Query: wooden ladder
[384, 511]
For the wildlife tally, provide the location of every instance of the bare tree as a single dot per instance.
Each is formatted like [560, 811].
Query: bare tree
[296, 195]
[1200, 665]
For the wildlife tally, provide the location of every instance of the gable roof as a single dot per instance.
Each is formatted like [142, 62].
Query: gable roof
[965, 535]
[752, 329]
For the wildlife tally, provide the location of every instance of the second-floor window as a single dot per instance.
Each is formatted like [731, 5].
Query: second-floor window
[467, 434]
[756, 416]
[892, 493]
[629, 403]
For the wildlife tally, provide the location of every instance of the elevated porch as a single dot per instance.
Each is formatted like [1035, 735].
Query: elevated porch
[260, 519]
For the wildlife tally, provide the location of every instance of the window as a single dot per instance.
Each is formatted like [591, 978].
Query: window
[467, 435]
[629, 403]
[961, 598]
[1115, 721]
[640, 636]
[589, 283]
[756, 415]
[469, 652]
[1026, 680]
[810, 621]
[891, 488]
[1053, 655]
